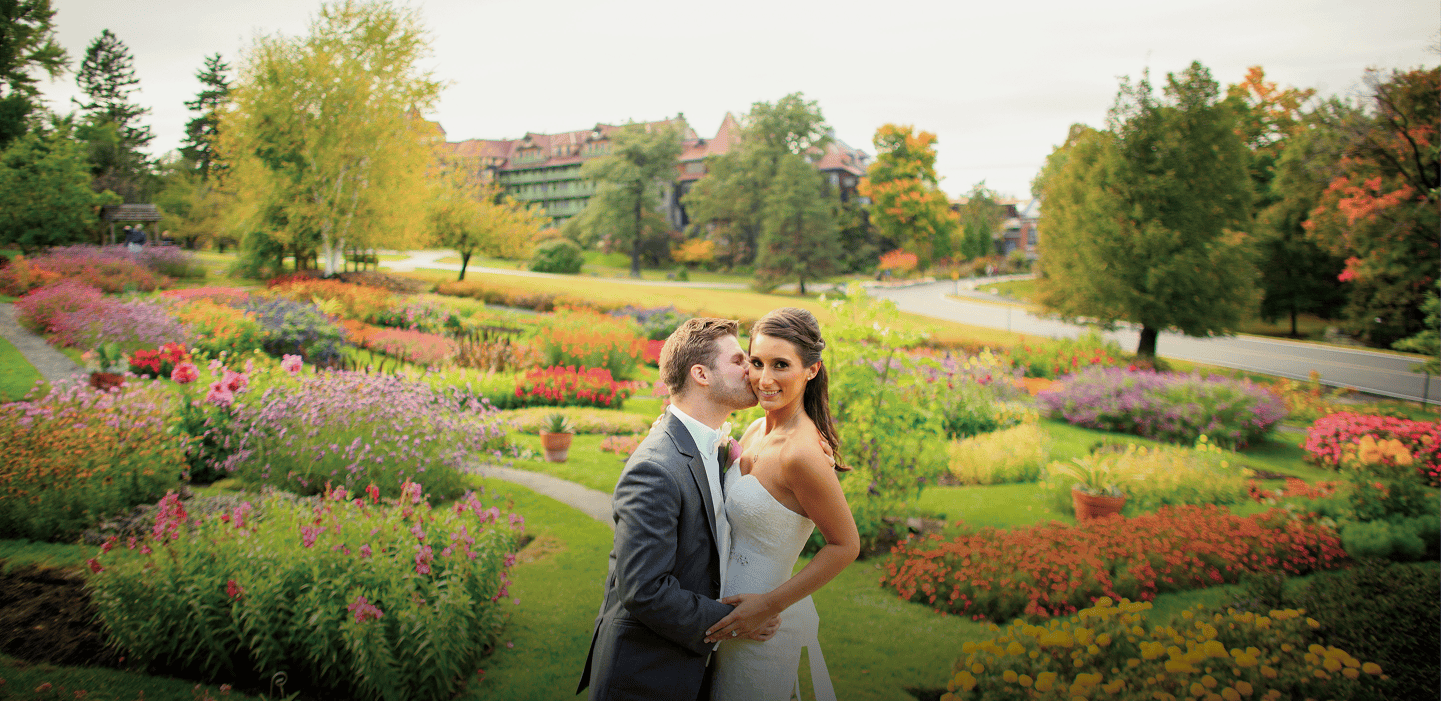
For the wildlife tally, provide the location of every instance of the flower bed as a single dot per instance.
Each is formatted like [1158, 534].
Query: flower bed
[502, 295]
[570, 386]
[137, 323]
[1053, 358]
[111, 268]
[352, 428]
[584, 420]
[1016, 454]
[38, 310]
[1329, 438]
[19, 277]
[346, 596]
[79, 455]
[229, 296]
[1107, 651]
[425, 349]
[1152, 477]
[350, 301]
[1166, 406]
[1055, 569]
[298, 328]
[586, 339]
[219, 328]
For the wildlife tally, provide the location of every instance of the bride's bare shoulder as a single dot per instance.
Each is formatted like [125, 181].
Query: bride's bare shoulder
[803, 449]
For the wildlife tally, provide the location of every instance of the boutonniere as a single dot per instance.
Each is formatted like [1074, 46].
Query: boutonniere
[729, 451]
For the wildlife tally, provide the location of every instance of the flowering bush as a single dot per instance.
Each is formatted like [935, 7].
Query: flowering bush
[346, 595]
[351, 428]
[78, 455]
[136, 323]
[900, 261]
[1151, 477]
[975, 396]
[570, 386]
[160, 362]
[1055, 569]
[334, 296]
[587, 339]
[425, 349]
[416, 315]
[38, 309]
[218, 328]
[1166, 406]
[229, 296]
[584, 420]
[1015, 454]
[109, 268]
[171, 261]
[1329, 438]
[1052, 358]
[298, 328]
[19, 277]
[621, 445]
[1107, 651]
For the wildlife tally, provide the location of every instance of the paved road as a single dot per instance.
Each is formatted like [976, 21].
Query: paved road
[1384, 374]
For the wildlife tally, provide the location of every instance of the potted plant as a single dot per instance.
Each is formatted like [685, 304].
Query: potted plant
[104, 360]
[556, 432]
[1095, 493]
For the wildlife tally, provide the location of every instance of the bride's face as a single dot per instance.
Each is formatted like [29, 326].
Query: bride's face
[777, 374]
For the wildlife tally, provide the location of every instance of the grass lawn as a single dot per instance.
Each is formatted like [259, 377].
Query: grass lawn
[17, 375]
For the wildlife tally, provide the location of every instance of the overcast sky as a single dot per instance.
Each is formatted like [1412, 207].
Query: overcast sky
[999, 83]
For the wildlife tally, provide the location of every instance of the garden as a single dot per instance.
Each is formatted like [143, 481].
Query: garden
[272, 491]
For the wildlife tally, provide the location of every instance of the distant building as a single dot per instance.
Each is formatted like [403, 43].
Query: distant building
[1018, 225]
[545, 168]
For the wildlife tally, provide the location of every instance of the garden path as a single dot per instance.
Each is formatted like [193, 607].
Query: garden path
[53, 365]
[591, 502]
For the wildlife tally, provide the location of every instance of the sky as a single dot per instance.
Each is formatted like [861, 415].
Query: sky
[998, 83]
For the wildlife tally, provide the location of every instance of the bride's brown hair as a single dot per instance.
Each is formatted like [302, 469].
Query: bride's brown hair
[800, 328]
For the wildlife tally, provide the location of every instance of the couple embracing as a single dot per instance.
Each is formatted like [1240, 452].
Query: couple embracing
[699, 601]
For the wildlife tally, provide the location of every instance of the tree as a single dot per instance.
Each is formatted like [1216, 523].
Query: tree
[1427, 342]
[907, 204]
[27, 42]
[629, 181]
[798, 229]
[325, 140]
[110, 121]
[1143, 221]
[727, 203]
[193, 206]
[470, 217]
[1380, 210]
[980, 218]
[45, 195]
[200, 132]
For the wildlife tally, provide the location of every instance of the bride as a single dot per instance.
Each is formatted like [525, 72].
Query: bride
[783, 487]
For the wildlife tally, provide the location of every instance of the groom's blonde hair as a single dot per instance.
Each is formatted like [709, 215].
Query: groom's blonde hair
[694, 343]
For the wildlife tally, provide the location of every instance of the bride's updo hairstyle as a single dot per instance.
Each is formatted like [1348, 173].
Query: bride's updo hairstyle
[800, 328]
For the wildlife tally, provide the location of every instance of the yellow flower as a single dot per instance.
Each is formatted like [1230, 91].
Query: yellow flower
[964, 681]
[1045, 680]
[1197, 689]
[1024, 680]
[1351, 672]
[1015, 648]
[1103, 639]
[1268, 672]
[1208, 681]
[1230, 694]
[1244, 688]
[1371, 668]
[1010, 676]
[978, 668]
[1316, 649]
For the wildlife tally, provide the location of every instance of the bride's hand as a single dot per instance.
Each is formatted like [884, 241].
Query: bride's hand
[752, 612]
[767, 631]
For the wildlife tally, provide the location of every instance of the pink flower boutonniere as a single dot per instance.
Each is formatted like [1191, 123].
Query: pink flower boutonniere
[729, 452]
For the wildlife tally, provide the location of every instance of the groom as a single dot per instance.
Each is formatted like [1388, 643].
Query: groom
[670, 533]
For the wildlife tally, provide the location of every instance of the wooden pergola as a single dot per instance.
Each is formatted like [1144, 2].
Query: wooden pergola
[112, 213]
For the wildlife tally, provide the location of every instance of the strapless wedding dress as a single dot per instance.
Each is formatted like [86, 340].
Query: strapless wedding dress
[766, 540]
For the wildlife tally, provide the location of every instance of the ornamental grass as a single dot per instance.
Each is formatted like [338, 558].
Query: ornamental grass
[348, 595]
[1055, 569]
[79, 455]
[1166, 406]
[354, 428]
[1108, 651]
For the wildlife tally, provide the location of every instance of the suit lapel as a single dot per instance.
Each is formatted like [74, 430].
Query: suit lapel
[686, 446]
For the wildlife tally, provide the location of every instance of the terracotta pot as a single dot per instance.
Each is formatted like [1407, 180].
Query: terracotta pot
[105, 380]
[557, 445]
[1089, 506]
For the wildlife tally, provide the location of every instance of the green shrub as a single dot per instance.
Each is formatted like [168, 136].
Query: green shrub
[557, 256]
[79, 455]
[346, 596]
[1382, 539]
[1107, 651]
[1013, 455]
[1384, 612]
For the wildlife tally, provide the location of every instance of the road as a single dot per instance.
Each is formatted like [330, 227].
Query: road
[1384, 374]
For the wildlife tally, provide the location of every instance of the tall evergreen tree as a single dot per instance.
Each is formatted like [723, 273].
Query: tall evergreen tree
[981, 218]
[798, 230]
[27, 42]
[200, 132]
[107, 77]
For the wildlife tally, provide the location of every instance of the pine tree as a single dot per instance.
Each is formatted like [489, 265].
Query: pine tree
[27, 42]
[798, 231]
[200, 132]
[107, 77]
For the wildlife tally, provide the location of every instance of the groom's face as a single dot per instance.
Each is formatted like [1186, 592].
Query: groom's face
[732, 387]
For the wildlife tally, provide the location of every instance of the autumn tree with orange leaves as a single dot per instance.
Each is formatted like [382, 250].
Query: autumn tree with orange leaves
[907, 205]
[1380, 209]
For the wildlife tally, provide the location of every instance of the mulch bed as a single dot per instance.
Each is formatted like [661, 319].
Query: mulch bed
[46, 616]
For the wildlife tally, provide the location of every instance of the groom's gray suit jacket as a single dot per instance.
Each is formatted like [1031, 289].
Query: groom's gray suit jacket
[660, 594]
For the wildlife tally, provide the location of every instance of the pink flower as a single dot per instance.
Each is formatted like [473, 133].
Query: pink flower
[291, 364]
[94, 565]
[418, 532]
[412, 490]
[235, 591]
[235, 381]
[423, 560]
[364, 610]
[220, 394]
[365, 551]
[373, 492]
[185, 373]
[308, 535]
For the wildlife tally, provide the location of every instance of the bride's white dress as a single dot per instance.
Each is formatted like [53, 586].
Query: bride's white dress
[766, 541]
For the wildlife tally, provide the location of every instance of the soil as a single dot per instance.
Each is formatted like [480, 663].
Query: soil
[46, 616]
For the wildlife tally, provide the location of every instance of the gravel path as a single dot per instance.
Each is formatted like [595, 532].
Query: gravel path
[53, 365]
